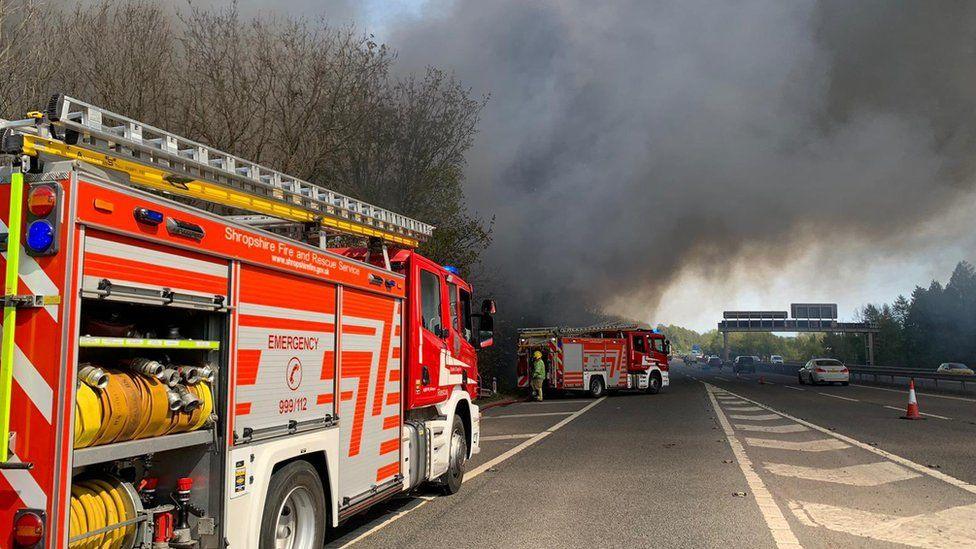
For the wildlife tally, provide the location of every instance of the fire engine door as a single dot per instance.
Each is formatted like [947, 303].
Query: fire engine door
[638, 350]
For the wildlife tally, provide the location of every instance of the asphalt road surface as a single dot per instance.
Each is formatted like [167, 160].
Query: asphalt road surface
[717, 460]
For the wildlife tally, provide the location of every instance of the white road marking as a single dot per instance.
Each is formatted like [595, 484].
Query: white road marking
[744, 408]
[887, 455]
[922, 413]
[561, 402]
[507, 437]
[470, 475]
[822, 445]
[838, 396]
[865, 474]
[771, 428]
[905, 392]
[794, 388]
[951, 527]
[759, 417]
[540, 414]
[775, 521]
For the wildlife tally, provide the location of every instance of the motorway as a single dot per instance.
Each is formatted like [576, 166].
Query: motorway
[717, 460]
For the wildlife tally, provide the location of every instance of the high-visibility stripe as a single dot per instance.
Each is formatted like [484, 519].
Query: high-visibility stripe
[255, 309]
[391, 422]
[247, 366]
[242, 408]
[324, 399]
[33, 384]
[118, 268]
[146, 253]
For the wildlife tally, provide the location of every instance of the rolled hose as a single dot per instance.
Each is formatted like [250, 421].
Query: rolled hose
[98, 503]
[88, 416]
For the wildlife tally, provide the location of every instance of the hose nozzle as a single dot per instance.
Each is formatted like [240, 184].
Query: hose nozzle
[169, 376]
[173, 400]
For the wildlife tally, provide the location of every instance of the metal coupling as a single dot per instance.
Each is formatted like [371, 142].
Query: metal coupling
[173, 400]
[207, 373]
[188, 400]
[190, 374]
[93, 376]
[145, 366]
[169, 376]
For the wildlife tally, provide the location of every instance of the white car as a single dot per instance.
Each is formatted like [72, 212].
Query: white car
[954, 369]
[824, 370]
[775, 359]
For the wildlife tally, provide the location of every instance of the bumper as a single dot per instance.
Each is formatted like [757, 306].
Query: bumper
[832, 378]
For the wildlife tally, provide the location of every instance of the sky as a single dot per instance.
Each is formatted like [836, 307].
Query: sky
[668, 160]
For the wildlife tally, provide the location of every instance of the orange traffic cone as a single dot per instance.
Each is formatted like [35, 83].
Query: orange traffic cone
[912, 411]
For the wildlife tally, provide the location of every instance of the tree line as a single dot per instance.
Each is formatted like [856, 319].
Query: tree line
[323, 103]
[935, 324]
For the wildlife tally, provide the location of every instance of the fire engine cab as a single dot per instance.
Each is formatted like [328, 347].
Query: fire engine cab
[170, 377]
[596, 359]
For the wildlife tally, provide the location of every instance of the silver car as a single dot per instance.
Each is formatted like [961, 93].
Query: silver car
[824, 370]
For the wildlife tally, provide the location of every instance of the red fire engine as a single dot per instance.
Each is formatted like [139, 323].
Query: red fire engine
[174, 378]
[596, 359]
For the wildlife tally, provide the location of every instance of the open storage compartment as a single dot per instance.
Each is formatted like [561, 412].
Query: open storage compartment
[149, 412]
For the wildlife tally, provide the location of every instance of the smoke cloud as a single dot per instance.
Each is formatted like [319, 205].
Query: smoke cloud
[627, 143]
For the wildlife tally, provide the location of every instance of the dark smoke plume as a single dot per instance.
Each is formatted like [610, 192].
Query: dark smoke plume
[628, 141]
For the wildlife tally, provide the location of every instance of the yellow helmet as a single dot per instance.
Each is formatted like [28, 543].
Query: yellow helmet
[537, 354]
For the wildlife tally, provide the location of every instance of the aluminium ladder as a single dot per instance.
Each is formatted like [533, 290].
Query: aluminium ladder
[159, 160]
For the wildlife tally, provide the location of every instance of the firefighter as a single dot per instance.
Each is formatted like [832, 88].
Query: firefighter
[538, 374]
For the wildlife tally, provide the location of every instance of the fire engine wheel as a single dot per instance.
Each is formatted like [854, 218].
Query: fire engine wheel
[452, 479]
[654, 385]
[596, 387]
[294, 510]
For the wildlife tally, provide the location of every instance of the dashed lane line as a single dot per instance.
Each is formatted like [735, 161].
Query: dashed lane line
[469, 475]
[962, 485]
[507, 437]
[779, 528]
[794, 388]
[540, 414]
[905, 391]
[838, 396]
[921, 413]
[771, 428]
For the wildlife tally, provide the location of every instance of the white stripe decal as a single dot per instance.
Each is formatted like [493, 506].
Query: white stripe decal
[33, 384]
[282, 312]
[35, 278]
[153, 257]
[31, 381]
[28, 490]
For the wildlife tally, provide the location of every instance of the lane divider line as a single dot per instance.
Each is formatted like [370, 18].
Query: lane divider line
[540, 414]
[838, 396]
[775, 520]
[904, 391]
[794, 388]
[922, 413]
[472, 474]
[963, 485]
[507, 437]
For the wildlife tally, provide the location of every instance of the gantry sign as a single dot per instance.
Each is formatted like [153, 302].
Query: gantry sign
[806, 317]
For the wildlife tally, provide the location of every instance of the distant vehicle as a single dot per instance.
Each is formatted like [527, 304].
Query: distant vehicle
[713, 362]
[696, 351]
[954, 369]
[756, 359]
[824, 370]
[775, 359]
[744, 364]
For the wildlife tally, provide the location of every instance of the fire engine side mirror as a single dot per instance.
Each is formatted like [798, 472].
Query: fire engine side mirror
[486, 329]
[488, 307]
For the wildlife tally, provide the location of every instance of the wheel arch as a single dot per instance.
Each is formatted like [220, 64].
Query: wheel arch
[318, 461]
[463, 411]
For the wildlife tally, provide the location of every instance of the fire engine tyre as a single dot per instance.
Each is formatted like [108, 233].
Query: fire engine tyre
[294, 509]
[452, 479]
[597, 387]
[654, 384]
